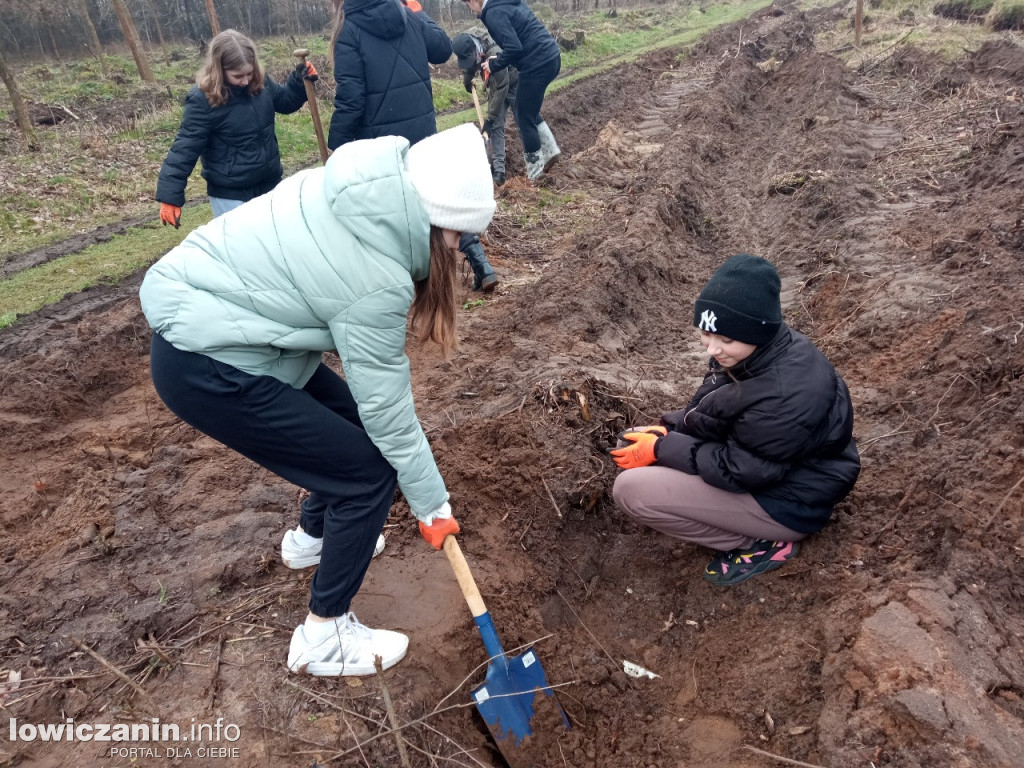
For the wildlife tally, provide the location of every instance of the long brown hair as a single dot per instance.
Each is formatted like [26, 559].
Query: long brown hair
[339, 22]
[228, 50]
[434, 302]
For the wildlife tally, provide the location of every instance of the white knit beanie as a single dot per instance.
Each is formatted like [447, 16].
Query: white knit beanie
[453, 179]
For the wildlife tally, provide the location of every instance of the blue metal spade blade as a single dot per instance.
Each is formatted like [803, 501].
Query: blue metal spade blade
[506, 697]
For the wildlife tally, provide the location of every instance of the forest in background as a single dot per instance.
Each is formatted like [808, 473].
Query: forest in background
[59, 30]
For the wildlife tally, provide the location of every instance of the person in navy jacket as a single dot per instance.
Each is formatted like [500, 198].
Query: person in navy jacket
[528, 46]
[228, 122]
[382, 53]
[763, 451]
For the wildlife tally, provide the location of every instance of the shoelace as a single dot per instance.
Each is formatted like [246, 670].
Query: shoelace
[352, 626]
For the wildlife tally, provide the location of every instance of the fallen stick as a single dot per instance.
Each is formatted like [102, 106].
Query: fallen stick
[216, 672]
[152, 645]
[569, 606]
[785, 760]
[552, 497]
[121, 675]
[392, 717]
[1002, 504]
[418, 721]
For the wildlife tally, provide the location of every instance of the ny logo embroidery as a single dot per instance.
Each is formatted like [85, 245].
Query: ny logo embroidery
[707, 321]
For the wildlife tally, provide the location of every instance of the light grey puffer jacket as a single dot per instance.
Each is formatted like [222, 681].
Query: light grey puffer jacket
[325, 261]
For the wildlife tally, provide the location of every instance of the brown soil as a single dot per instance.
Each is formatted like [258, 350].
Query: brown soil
[890, 198]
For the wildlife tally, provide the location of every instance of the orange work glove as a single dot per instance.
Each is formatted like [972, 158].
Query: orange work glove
[170, 214]
[310, 72]
[438, 530]
[653, 428]
[640, 454]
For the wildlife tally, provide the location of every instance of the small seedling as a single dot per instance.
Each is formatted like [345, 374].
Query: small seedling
[473, 304]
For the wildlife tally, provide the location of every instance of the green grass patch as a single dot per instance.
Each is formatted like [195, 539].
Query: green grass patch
[894, 24]
[1006, 14]
[104, 263]
[451, 93]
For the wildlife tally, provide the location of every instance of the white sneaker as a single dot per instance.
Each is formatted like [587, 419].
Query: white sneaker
[343, 648]
[296, 556]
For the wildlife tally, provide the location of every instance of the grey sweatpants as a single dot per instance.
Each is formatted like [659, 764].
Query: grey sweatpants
[685, 507]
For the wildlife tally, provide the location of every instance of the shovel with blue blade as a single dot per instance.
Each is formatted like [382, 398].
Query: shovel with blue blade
[514, 686]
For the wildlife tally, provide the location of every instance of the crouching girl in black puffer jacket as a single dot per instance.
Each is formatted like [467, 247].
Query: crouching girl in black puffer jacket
[764, 450]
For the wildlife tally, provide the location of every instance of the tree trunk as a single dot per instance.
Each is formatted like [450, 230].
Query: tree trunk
[20, 110]
[159, 31]
[48, 21]
[131, 36]
[212, 13]
[94, 39]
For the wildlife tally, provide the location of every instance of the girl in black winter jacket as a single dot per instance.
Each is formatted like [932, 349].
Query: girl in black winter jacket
[762, 453]
[229, 123]
[382, 53]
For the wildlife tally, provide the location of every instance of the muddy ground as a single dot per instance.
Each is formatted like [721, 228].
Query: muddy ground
[890, 198]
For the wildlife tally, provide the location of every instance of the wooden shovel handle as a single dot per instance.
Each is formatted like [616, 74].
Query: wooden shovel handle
[476, 103]
[314, 110]
[464, 577]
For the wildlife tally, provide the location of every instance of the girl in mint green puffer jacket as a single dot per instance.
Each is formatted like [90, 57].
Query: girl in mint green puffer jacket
[334, 258]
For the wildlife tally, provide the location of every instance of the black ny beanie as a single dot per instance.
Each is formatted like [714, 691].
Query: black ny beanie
[741, 301]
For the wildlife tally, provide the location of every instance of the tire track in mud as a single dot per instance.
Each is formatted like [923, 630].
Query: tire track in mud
[661, 115]
[17, 262]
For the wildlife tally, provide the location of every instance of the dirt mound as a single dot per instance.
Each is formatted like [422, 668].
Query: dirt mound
[892, 209]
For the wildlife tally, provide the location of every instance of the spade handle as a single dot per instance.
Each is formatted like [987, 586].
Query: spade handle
[318, 128]
[464, 577]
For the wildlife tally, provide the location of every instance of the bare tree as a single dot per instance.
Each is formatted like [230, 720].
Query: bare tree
[159, 31]
[94, 39]
[20, 110]
[46, 16]
[212, 13]
[131, 36]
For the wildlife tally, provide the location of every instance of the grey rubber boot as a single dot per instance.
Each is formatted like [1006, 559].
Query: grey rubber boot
[534, 164]
[484, 278]
[548, 146]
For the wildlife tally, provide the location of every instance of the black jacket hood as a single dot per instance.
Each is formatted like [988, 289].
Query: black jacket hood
[381, 18]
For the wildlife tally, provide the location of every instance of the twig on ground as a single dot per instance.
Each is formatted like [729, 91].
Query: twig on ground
[419, 721]
[352, 733]
[586, 587]
[693, 674]
[569, 606]
[294, 737]
[392, 717]
[216, 672]
[121, 675]
[898, 431]
[962, 508]
[878, 60]
[521, 535]
[999, 509]
[225, 623]
[152, 645]
[785, 760]
[552, 497]
[434, 758]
